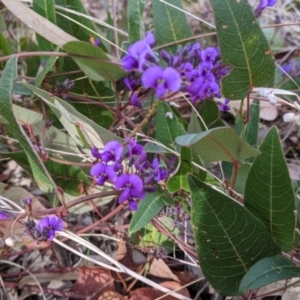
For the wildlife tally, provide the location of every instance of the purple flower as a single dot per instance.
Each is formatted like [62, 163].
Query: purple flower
[224, 106]
[96, 153]
[163, 80]
[3, 215]
[135, 101]
[158, 172]
[133, 188]
[139, 53]
[112, 151]
[209, 54]
[130, 83]
[103, 172]
[97, 42]
[262, 5]
[48, 225]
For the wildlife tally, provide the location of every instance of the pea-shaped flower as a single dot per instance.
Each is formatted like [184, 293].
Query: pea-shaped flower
[162, 80]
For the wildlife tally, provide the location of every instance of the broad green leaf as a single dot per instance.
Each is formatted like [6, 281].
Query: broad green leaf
[72, 120]
[98, 65]
[46, 9]
[268, 270]
[179, 180]
[218, 144]
[167, 125]
[243, 47]
[229, 239]
[194, 124]
[148, 209]
[251, 132]
[37, 23]
[269, 193]
[135, 10]
[170, 24]
[210, 114]
[250, 136]
[16, 131]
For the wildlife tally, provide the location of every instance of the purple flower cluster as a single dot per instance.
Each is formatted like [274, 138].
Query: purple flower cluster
[45, 229]
[262, 5]
[292, 67]
[191, 69]
[128, 169]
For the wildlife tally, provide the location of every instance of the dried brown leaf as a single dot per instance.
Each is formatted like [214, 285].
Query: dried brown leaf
[93, 280]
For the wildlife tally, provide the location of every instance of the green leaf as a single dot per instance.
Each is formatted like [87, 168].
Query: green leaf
[67, 177]
[150, 236]
[73, 121]
[27, 116]
[46, 9]
[32, 63]
[135, 10]
[68, 21]
[194, 124]
[148, 209]
[250, 136]
[269, 193]
[218, 144]
[167, 124]
[268, 270]
[37, 23]
[243, 47]
[241, 178]
[4, 48]
[229, 239]
[210, 114]
[7, 117]
[48, 67]
[98, 65]
[251, 132]
[170, 24]
[179, 180]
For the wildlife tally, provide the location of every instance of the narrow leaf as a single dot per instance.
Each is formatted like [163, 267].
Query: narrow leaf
[98, 66]
[37, 23]
[229, 239]
[46, 9]
[244, 47]
[269, 193]
[72, 119]
[79, 31]
[218, 144]
[148, 209]
[268, 270]
[135, 12]
[7, 117]
[170, 24]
